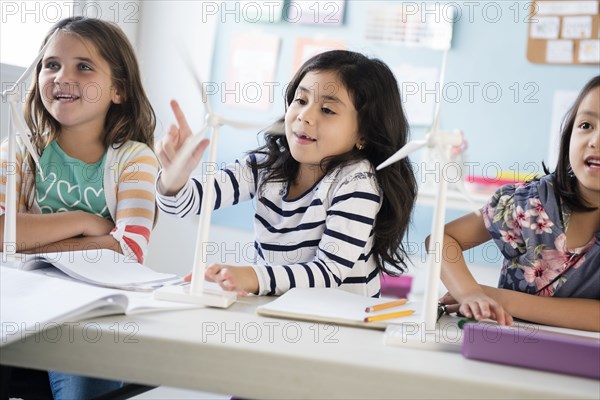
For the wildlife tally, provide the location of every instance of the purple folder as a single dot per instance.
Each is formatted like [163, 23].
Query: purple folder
[528, 346]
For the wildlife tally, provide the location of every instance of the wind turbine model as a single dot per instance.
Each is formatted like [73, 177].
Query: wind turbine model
[443, 142]
[196, 293]
[16, 126]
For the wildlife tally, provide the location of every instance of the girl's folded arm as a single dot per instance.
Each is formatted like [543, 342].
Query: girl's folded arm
[35, 230]
[90, 243]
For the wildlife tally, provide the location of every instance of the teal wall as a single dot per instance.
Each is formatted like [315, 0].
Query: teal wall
[488, 48]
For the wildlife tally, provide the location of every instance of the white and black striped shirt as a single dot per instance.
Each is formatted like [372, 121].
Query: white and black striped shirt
[323, 238]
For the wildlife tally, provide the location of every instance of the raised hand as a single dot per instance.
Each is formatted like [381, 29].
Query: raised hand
[179, 153]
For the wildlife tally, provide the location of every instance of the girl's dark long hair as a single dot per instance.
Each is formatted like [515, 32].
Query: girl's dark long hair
[565, 181]
[382, 126]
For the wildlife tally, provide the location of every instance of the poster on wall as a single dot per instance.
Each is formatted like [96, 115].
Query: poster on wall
[318, 12]
[564, 32]
[395, 25]
[251, 73]
[308, 47]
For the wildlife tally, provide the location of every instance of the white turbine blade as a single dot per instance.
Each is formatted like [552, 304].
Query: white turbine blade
[29, 69]
[438, 105]
[241, 124]
[21, 129]
[407, 149]
[199, 83]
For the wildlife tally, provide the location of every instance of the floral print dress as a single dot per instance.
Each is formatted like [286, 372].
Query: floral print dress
[529, 225]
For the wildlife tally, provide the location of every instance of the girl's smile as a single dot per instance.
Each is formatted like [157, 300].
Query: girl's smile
[593, 164]
[65, 96]
[304, 139]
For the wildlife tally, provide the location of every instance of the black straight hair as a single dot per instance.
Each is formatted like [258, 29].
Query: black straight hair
[383, 128]
[564, 180]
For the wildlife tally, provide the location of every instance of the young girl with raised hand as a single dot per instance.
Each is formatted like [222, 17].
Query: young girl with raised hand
[93, 127]
[548, 231]
[324, 217]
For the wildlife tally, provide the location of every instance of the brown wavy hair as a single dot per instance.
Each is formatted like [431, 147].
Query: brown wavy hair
[132, 119]
[383, 127]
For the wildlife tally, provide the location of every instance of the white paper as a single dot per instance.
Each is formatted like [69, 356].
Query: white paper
[589, 51]
[50, 302]
[335, 306]
[545, 28]
[579, 27]
[100, 267]
[417, 90]
[566, 7]
[252, 63]
[394, 25]
[559, 51]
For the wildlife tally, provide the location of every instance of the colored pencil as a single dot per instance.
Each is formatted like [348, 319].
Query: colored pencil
[382, 317]
[383, 306]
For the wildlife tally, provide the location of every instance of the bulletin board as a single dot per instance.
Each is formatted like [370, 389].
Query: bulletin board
[564, 32]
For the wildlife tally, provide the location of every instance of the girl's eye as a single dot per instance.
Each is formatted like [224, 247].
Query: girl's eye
[84, 67]
[585, 125]
[327, 110]
[300, 101]
[51, 65]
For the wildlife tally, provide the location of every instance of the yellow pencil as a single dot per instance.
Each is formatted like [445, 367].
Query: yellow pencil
[383, 306]
[382, 317]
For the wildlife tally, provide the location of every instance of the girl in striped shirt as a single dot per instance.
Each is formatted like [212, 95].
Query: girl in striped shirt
[324, 217]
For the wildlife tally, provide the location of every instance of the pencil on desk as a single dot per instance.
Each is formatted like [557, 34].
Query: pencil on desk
[383, 306]
[382, 317]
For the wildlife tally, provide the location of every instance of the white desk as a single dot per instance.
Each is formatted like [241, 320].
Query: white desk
[239, 353]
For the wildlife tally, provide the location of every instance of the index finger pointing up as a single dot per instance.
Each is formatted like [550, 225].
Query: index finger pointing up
[184, 129]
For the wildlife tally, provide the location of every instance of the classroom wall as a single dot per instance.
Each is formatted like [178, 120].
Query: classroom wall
[502, 102]
[506, 129]
[168, 32]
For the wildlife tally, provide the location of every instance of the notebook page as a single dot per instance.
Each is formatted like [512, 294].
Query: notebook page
[31, 303]
[106, 268]
[335, 306]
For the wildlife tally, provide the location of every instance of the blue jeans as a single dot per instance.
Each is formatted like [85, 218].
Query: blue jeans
[68, 387]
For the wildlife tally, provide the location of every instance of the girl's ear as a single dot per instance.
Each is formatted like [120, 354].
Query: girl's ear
[116, 96]
[360, 144]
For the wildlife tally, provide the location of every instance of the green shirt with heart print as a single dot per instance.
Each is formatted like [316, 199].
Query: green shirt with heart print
[70, 184]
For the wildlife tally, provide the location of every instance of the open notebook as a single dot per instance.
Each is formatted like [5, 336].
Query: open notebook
[334, 306]
[31, 303]
[98, 267]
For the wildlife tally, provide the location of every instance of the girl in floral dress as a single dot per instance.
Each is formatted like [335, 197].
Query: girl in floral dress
[548, 231]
